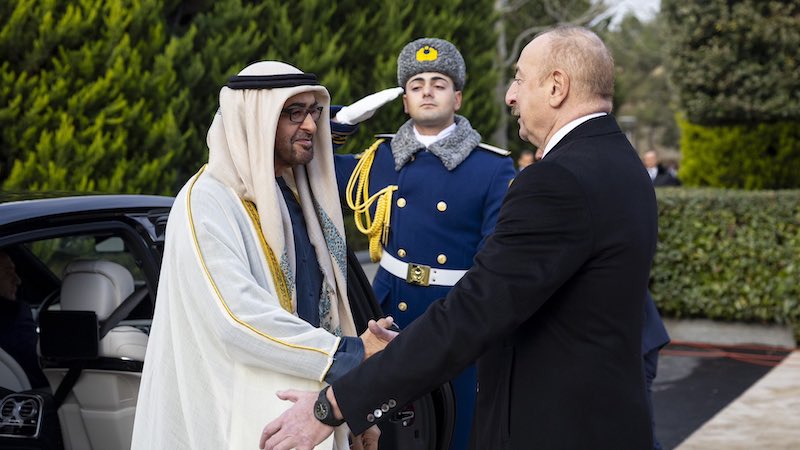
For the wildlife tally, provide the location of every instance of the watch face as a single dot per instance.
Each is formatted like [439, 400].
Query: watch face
[321, 411]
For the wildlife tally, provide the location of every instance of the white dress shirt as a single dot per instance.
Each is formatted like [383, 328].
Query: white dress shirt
[563, 131]
[428, 140]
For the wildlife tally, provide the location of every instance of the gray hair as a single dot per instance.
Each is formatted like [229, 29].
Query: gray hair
[585, 58]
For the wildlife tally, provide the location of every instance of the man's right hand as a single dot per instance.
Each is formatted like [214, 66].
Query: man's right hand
[296, 428]
[377, 336]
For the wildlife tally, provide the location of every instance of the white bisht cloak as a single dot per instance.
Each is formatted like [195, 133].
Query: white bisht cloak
[223, 338]
[210, 382]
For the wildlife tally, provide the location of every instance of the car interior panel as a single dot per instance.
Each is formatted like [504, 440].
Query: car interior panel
[12, 376]
[104, 401]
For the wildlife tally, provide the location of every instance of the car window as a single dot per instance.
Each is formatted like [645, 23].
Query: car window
[56, 253]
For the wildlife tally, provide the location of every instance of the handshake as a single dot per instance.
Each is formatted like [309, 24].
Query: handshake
[378, 335]
[297, 428]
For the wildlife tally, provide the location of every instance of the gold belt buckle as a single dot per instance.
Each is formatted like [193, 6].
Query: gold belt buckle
[418, 274]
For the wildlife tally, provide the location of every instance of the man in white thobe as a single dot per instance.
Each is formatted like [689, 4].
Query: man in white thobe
[252, 296]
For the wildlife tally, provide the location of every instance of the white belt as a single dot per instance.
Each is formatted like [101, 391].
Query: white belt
[420, 274]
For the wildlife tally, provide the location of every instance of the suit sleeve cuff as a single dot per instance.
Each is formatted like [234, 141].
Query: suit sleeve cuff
[339, 131]
[349, 355]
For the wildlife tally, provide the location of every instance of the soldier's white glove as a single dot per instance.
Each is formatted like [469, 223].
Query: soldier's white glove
[364, 109]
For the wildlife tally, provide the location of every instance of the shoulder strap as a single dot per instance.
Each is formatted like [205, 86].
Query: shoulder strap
[122, 311]
[493, 149]
[67, 383]
[380, 139]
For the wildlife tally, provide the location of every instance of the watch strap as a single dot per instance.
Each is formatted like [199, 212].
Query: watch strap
[323, 410]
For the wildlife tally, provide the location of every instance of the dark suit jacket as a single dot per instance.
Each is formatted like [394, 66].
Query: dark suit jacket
[18, 338]
[552, 308]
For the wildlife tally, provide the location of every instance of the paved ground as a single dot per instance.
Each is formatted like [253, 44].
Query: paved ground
[691, 389]
[708, 369]
[765, 416]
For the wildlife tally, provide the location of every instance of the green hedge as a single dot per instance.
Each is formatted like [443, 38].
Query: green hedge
[746, 156]
[728, 255]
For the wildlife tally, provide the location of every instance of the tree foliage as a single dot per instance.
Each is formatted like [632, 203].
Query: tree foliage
[735, 61]
[641, 89]
[223, 37]
[118, 95]
[517, 22]
[734, 68]
[91, 99]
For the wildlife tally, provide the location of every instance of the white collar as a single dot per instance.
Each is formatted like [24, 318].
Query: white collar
[563, 131]
[428, 140]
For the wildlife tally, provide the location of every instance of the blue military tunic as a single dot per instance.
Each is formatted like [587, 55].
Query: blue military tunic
[440, 217]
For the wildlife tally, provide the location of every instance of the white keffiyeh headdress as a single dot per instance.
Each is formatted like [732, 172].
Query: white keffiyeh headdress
[241, 143]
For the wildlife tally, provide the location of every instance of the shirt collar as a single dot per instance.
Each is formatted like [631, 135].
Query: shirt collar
[563, 131]
[428, 140]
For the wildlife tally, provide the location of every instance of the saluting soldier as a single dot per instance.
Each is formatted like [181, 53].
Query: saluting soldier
[427, 196]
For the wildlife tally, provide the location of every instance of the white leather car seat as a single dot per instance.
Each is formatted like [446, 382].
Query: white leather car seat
[12, 375]
[98, 413]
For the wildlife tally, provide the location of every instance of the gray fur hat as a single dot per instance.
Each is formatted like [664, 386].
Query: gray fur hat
[431, 55]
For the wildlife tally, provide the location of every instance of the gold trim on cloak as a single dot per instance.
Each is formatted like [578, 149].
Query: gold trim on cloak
[219, 294]
[274, 267]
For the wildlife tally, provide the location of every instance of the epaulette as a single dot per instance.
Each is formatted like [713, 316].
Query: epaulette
[377, 136]
[494, 149]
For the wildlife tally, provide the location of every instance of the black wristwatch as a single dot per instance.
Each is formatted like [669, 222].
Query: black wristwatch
[323, 410]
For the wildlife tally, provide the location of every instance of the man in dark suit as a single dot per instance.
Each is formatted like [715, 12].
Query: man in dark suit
[17, 329]
[552, 309]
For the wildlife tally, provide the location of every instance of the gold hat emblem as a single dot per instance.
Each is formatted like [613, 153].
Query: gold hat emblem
[427, 53]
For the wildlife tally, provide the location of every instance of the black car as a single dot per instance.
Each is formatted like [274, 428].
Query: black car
[46, 238]
[88, 268]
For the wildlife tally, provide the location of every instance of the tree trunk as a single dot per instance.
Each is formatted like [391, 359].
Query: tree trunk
[500, 134]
